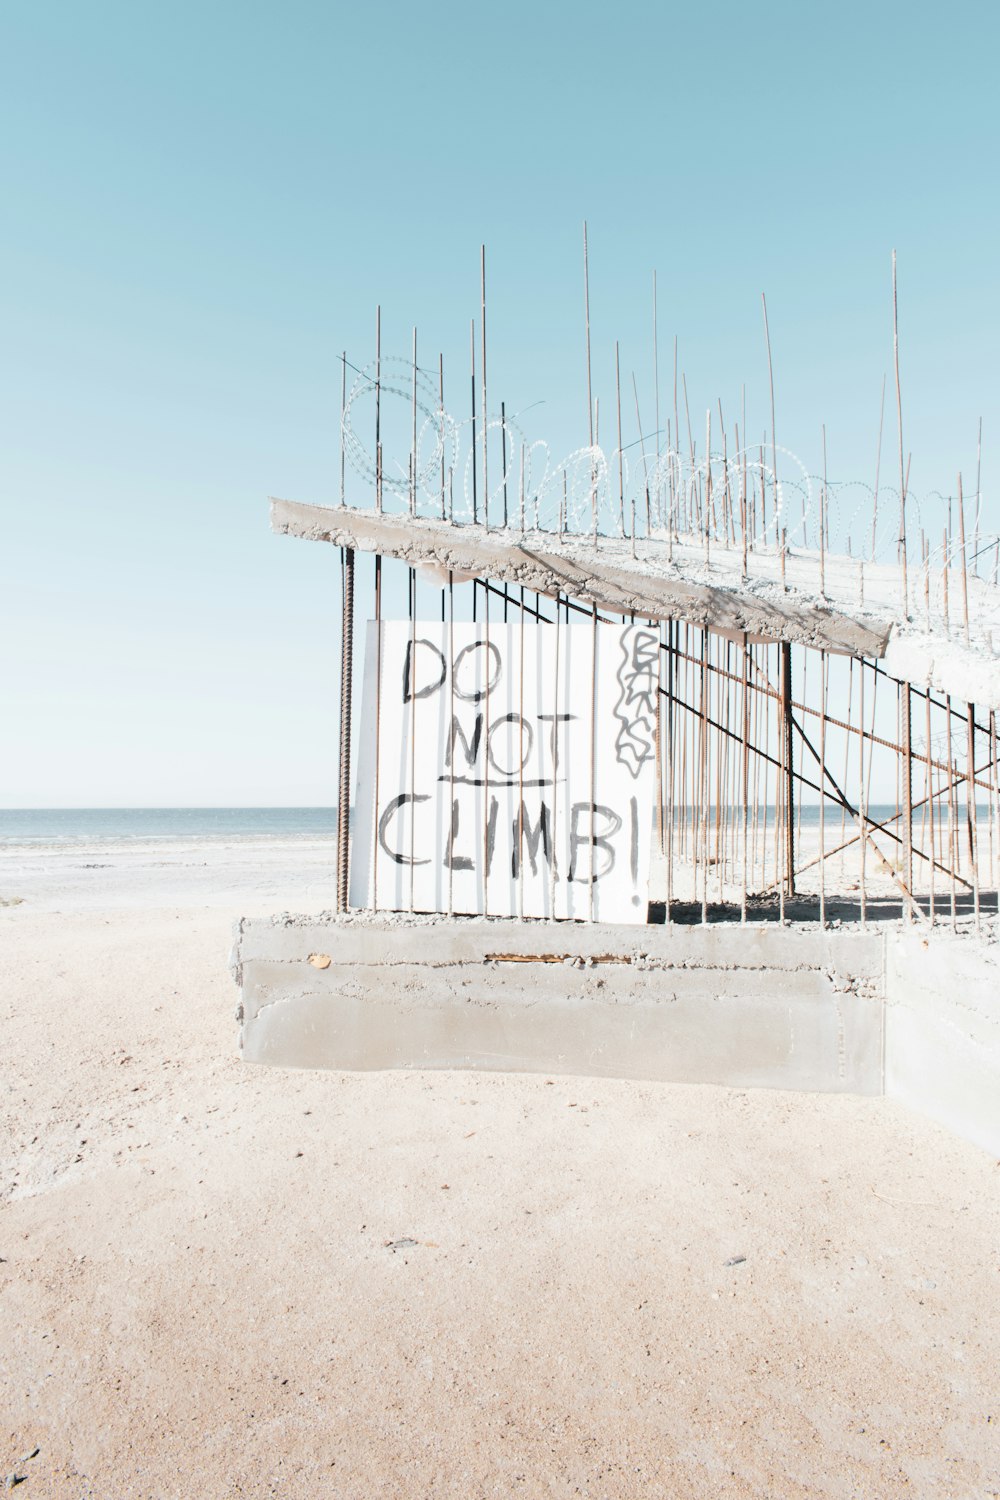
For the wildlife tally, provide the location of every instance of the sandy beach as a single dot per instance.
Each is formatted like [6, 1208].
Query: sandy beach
[500, 753]
[227, 1281]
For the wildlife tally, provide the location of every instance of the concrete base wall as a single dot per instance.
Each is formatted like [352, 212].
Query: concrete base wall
[747, 1007]
[907, 1013]
[942, 1023]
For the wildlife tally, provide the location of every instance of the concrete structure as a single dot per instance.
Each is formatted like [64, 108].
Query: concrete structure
[738, 722]
[644, 577]
[914, 1016]
[942, 1030]
[741, 740]
[838, 604]
[720, 1005]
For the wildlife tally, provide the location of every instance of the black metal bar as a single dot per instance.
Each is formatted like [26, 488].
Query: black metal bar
[786, 711]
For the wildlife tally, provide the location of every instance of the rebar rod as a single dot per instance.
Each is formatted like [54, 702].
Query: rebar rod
[346, 681]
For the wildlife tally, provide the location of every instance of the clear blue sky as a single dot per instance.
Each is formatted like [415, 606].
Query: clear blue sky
[203, 204]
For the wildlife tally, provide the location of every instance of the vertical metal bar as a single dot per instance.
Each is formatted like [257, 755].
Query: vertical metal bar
[378, 408]
[764, 706]
[520, 755]
[486, 430]
[590, 393]
[555, 763]
[718, 742]
[822, 789]
[346, 679]
[412, 594]
[701, 837]
[656, 404]
[952, 778]
[343, 409]
[378, 602]
[486, 754]
[847, 737]
[503, 456]
[805, 699]
[593, 750]
[994, 797]
[686, 731]
[907, 797]
[945, 562]
[472, 360]
[972, 812]
[755, 732]
[763, 504]
[965, 571]
[413, 450]
[586, 312]
[709, 502]
[672, 630]
[441, 432]
[745, 769]
[346, 671]
[865, 785]
[675, 496]
[723, 799]
[378, 720]
[822, 525]
[451, 733]
[924, 808]
[930, 800]
[780, 798]
[658, 733]
[743, 502]
[899, 415]
[621, 483]
[789, 795]
[774, 438]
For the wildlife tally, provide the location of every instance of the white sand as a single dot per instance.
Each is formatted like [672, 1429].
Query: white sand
[198, 1298]
[253, 876]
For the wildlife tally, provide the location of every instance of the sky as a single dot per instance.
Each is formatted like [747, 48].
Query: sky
[205, 203]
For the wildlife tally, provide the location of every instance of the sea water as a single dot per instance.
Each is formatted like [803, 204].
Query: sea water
[68, 826]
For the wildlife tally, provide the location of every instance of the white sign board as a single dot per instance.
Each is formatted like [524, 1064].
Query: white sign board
[507, 769]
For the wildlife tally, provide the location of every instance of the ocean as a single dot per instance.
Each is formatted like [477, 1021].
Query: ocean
[67, 826]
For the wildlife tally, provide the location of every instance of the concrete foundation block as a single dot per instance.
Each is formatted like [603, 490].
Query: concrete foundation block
[744, 1007]
[943, 1032]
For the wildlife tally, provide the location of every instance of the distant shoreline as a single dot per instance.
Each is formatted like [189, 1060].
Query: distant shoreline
[74, 828]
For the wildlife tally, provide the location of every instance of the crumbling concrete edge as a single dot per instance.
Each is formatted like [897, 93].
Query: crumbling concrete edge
[554, 565]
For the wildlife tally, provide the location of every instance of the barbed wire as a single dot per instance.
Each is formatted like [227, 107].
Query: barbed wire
[762, 491]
